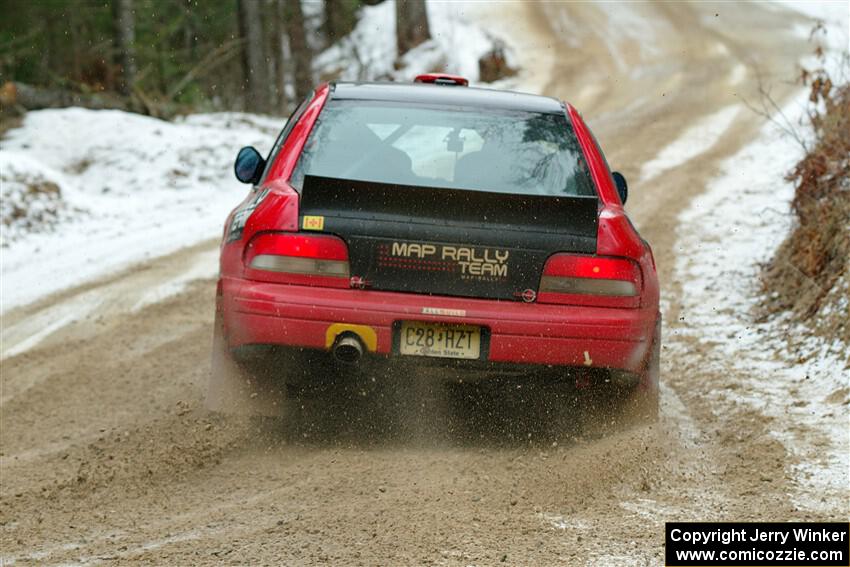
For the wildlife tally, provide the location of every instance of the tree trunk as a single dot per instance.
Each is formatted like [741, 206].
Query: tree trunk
[190, 31]
[254, 66]
[302, 59]
[123, 40]
[76, 50]
[340, 18]
[411, 20]
[277, 60]
[54, 32]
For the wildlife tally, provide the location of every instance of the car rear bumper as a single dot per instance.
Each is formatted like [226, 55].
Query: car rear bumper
[521, 333]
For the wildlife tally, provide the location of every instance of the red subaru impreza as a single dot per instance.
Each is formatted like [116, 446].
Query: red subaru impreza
[465, 228]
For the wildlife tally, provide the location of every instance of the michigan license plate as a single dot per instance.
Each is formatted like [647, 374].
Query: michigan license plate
[444, 341]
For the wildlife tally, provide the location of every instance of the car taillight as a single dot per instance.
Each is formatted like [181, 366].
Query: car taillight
[590, 280]
[298, 258]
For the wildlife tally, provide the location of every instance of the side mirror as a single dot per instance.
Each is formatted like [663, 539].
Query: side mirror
[622, 186]
[249, 165]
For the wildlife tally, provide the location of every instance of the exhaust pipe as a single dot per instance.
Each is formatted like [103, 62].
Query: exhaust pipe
[348, 349]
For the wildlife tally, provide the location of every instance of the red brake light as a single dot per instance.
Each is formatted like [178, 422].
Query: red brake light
[298, 258]
[442, 79]
[300, 245]
[591, 280]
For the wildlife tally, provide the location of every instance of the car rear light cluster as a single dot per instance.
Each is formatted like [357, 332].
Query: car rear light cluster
[298, 258]
[590, 280]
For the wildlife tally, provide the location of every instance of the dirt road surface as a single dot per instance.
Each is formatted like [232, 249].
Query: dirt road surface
[108, 455]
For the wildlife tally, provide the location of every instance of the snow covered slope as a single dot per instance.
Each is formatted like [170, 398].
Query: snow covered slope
[96, 191]
[369, 52]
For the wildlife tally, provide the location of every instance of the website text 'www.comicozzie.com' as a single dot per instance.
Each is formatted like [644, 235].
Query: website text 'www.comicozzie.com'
[757, 544]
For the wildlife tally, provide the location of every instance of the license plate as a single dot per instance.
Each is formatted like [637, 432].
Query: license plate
[444, 341]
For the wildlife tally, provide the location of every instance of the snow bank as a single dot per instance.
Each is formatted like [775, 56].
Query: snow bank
[369, 52]
[833, 13]
[782, 371]
[120, 188]
[33, 198]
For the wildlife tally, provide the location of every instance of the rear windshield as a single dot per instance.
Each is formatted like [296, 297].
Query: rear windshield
[460, 148]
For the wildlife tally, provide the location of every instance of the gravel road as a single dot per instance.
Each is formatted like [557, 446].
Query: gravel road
[109, 456]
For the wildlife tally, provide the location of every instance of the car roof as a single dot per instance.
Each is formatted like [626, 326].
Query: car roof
[446, 95]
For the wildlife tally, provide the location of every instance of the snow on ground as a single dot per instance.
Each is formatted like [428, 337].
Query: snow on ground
[697, 139]
[833, 13]
[31, 198]
[369, 52]
[126, 187]
[724, 236]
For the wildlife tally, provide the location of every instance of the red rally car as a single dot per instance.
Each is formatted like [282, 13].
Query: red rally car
[432, 222]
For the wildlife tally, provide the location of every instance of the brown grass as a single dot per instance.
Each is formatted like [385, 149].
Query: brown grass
[809, 273]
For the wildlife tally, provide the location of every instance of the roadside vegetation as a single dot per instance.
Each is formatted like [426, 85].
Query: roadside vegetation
[809, 275]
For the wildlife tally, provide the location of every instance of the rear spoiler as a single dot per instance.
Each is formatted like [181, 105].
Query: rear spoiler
[351, 200]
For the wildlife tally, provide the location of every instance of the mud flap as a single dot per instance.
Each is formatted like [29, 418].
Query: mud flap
[236, 388]
[645, 398]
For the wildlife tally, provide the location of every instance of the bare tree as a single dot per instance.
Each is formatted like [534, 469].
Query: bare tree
[302, 58]
[190, 30]
[123, 40]
[411, 20]
[53, 23]
[340, 18]
[277, 59]
[254, 65]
